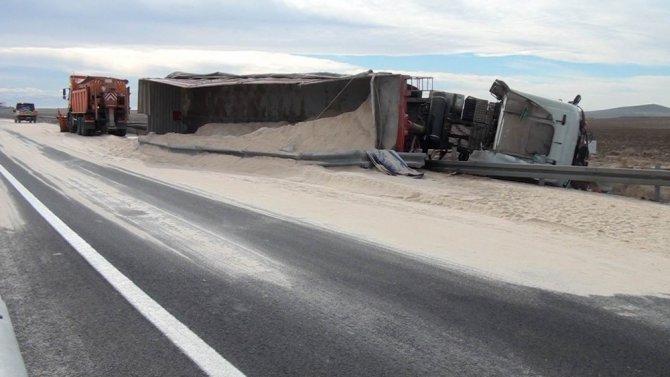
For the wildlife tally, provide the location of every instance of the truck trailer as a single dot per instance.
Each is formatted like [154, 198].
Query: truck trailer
[96, 105]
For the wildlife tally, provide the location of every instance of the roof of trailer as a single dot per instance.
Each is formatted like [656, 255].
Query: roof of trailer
[195, 80]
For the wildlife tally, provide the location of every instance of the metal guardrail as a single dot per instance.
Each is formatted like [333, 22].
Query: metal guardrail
[413, 160]
[54, 119]
[141, 126]
[338, 158]
[651, 177]
[47, 118]
[342, 158]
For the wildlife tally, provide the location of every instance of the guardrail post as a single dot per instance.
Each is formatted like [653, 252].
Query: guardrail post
[657, 188]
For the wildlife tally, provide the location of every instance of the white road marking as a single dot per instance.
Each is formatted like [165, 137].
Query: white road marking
[210, 361]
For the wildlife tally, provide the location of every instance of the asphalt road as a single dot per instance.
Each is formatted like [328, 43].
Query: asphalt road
[282, 298]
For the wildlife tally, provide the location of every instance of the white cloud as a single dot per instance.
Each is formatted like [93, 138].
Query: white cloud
[619, 31]
[597, 93]
[582, 31]
[159, 61]
[40, 97]
[134, 63]
[24, 91]
[155, 37]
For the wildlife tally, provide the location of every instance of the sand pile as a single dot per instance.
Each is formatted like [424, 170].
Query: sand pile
[347, 131]
[236, 129]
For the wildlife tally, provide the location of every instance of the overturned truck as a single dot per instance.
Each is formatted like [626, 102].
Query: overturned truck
[403, 113]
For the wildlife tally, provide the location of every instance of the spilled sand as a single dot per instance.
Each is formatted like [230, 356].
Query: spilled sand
[562, 240]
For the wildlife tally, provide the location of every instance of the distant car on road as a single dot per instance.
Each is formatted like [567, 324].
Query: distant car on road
[25, 111]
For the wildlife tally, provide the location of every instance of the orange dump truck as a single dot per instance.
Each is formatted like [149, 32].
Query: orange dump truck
[97, 105]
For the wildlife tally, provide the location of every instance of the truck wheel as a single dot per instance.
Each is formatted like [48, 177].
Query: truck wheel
[464, 156]
[121, 133]
[80, 126]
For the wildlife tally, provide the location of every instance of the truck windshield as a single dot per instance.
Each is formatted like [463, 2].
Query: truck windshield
[25, 106]
[527, 129]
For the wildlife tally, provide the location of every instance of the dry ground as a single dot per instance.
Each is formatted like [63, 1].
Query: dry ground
[633, 143]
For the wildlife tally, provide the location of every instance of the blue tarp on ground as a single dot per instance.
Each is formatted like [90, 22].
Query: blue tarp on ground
[389, 162]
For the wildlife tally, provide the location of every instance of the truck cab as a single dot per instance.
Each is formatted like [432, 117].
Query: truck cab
[533, 129]
[515, 128]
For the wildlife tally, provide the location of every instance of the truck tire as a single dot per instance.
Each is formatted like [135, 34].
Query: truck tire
[438, 109]
[120, 132]
[72, 125]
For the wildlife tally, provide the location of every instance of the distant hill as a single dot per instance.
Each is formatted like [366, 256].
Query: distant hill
[641, 111]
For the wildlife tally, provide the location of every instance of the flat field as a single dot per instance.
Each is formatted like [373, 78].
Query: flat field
[632, 143]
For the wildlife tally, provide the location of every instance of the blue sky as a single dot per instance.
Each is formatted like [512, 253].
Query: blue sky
[613, 54]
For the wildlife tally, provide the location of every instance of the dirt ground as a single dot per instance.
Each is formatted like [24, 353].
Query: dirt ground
[640, 143]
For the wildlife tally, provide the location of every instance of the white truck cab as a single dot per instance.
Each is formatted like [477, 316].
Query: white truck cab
[533, 129]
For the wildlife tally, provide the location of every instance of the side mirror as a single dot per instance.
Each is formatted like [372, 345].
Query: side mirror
[577, 100]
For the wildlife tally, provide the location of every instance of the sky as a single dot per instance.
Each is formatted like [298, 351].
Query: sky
[613, 54]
